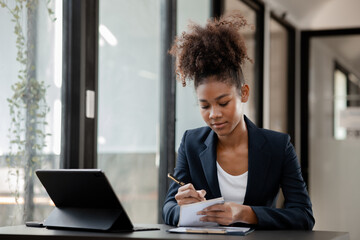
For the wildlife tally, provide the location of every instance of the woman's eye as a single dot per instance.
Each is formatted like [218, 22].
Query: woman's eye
[204, 107]
[223, 104]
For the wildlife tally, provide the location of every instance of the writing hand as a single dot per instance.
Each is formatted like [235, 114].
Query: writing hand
[187, 194]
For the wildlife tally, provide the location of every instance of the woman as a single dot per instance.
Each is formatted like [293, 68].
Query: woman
[231, 157]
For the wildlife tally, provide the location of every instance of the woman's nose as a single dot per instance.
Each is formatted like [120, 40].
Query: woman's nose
[214, 113]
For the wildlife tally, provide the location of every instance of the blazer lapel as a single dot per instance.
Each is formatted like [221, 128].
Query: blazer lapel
[208, 162]
[259, 162]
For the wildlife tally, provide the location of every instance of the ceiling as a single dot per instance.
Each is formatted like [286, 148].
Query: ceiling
[318, 14]
[315, 15]
[304, 12]
[299, 9]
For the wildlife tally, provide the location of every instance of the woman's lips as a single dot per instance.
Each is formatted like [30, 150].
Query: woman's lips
[218, 125]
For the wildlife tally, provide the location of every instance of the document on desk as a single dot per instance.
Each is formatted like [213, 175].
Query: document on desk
[213, 230]
[188, 213]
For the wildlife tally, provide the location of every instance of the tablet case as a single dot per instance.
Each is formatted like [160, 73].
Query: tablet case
[84, 199]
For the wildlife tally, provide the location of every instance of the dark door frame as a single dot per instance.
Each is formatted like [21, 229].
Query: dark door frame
[306, 36]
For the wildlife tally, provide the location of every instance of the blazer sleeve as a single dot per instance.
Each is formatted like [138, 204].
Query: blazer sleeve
[171, 209]
[297, 212]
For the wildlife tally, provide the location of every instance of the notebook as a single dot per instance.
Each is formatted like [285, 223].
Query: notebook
[189, 221]
[241, 231]
[188, 213]
[84, 199]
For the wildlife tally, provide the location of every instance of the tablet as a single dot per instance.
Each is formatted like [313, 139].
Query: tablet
[84, 199]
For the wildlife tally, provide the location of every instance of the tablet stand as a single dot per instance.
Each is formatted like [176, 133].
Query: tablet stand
[89, 219]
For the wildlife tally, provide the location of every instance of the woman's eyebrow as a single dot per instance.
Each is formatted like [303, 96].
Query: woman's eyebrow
[217, 98]
[221, 96]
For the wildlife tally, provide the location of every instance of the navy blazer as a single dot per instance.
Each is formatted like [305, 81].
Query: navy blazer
[272, 164]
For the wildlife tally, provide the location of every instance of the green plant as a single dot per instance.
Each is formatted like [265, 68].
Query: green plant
[27, 105]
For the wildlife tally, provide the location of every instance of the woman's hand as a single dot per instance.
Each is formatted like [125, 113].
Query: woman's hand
[187, 194]
[228, 213]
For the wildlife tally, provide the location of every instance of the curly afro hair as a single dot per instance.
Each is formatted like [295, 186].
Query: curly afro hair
[215, 49]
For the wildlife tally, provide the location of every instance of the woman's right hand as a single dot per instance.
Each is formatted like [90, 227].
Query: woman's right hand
[187, 194]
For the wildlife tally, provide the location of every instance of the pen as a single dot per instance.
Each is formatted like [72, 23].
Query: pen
[172, 177]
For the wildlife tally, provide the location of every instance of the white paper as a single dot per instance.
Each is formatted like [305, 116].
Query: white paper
[188, 213]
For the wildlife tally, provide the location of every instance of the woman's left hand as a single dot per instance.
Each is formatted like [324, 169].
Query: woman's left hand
[228, 213]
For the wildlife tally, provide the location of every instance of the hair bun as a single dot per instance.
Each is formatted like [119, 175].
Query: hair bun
[213, 49]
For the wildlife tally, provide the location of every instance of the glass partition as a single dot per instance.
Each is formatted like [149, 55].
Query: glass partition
[128, 115]
[278, 102]
[249, 68]
[30, 103]
[187, 108]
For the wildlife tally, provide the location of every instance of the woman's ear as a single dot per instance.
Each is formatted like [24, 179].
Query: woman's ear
[245, 91]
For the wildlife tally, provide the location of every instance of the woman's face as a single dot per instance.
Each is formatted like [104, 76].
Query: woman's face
[221, 105]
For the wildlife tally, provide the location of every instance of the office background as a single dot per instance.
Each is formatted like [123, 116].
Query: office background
[305, 72]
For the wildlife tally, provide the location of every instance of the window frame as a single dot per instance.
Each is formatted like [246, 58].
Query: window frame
[80, 64]
[167, 156]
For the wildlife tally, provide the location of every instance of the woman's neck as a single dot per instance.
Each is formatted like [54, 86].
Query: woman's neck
[236, 138]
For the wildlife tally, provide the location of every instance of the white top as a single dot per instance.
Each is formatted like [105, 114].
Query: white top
[232, 188]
